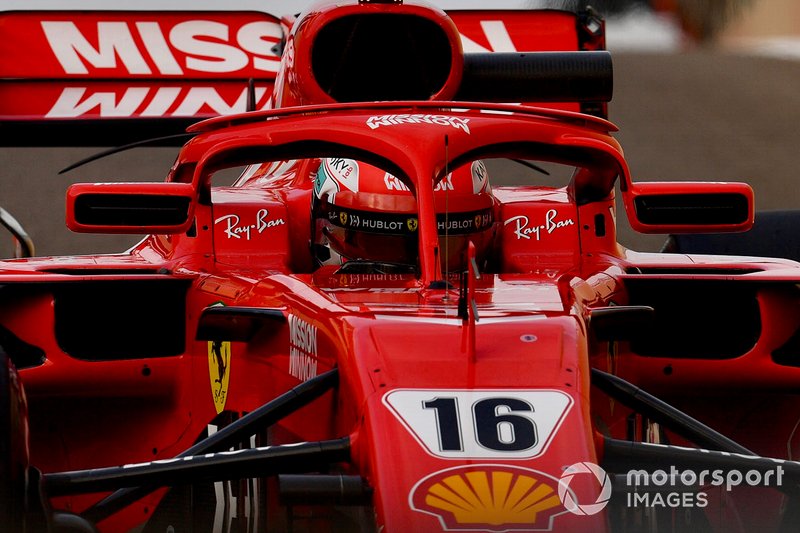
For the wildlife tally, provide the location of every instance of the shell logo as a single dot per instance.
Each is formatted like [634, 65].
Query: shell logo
[490, 498]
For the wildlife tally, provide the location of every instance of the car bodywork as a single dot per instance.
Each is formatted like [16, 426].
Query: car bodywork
[244, 387]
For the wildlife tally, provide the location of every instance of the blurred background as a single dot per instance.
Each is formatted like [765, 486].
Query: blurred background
[704, 90]
[708, 90]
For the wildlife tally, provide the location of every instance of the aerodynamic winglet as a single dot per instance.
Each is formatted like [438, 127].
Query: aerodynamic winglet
[236, 323]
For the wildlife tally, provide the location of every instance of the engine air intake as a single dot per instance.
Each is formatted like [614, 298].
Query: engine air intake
[360, 58]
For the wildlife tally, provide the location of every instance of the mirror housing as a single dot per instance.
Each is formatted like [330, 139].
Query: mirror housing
[689, 207]
[130, 208]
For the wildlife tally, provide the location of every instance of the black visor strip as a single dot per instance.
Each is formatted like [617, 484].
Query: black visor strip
[462, 223]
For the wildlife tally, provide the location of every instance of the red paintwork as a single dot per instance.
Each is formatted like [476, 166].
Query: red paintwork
[201, 70]
[395, 340]
[542, 288]
[156, 44]
[172, 190]
[90, 64]
[690, 187]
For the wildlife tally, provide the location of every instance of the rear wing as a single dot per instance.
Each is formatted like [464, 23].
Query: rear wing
[98, 78]
[110, 76]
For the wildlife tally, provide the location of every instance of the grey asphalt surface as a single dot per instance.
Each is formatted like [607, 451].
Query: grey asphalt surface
[698, 115]
[710, 117]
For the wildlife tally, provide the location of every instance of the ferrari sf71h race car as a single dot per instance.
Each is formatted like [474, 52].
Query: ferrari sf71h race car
[363, 333]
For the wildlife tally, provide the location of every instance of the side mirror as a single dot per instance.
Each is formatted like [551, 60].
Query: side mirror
[135, 208]
[689, 207]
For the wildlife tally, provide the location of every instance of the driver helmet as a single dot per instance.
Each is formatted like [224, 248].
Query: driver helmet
[362, 213]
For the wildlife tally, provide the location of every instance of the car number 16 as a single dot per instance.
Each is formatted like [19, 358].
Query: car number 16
[480, 423]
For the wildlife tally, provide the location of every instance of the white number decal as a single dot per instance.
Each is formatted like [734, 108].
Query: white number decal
[480, 423]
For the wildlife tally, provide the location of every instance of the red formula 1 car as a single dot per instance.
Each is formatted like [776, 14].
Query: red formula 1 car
[366, 333]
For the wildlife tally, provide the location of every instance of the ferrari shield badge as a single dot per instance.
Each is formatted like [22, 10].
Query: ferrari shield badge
[219, 371]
